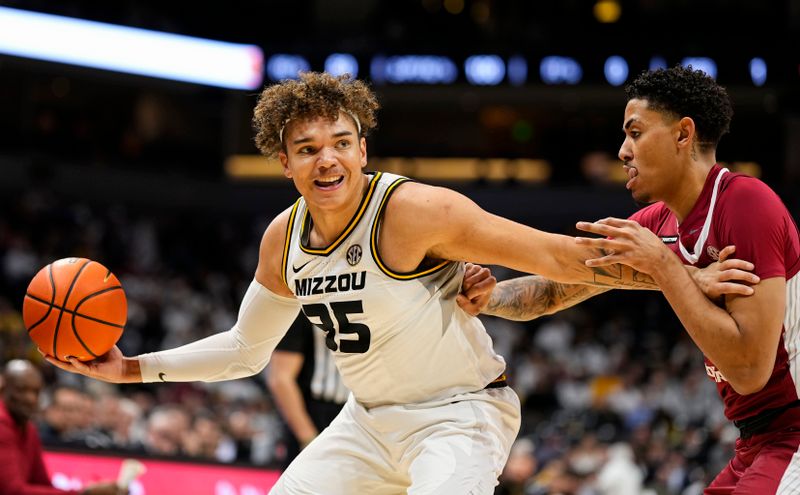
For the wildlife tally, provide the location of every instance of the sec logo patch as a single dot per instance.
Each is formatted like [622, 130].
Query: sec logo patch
[354, 254]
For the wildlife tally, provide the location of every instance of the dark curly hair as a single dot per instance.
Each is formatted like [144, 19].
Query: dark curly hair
[313, 95]
[684, 92]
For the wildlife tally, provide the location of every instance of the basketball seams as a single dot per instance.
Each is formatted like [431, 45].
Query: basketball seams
[78, 336]
[95, 294]
[61, 310]
[52, 284]
[52, 299]
[39, 299]
[76, 313]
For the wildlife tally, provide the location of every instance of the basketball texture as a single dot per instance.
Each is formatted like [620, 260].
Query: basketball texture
[75, 307]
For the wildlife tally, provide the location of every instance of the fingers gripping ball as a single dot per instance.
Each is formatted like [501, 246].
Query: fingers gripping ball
[75, 307]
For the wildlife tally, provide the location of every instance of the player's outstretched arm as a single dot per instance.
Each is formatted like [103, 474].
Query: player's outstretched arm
[521, 298]
[266, 312]
[440, 223]
[527, 298]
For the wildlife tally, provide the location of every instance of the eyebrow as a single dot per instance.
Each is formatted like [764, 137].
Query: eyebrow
[628, 124]
[336, 135]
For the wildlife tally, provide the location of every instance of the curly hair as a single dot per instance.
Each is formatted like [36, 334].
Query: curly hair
[684, 92]
[313, 95]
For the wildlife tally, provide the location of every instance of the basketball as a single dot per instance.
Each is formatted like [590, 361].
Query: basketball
[75, 307]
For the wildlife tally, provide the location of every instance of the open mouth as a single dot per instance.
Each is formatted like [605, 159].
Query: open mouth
[329, 182]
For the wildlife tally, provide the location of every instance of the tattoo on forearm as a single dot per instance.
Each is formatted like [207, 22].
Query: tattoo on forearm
[526, 298]
[620, 276]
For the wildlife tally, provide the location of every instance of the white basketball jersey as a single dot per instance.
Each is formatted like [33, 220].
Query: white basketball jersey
[396, 337]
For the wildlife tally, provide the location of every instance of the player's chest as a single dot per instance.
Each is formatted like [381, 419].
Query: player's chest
[691, 243]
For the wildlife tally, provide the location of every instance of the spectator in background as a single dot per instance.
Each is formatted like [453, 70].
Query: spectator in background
[22, 469]
[619, 475]
[166, 428]
[68, 420]
[207, 440]
[517, 477]
[305, 384]
[116, 418]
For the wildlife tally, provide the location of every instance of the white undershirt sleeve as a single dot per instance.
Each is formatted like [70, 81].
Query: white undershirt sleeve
[244, 350]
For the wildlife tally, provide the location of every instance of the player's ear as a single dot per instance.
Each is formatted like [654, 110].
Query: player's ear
[285, 164]
[686, 132]
[362, 144]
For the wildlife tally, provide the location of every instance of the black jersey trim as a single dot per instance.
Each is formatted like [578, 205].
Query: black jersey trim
[305, 226]
[285, 259]
[374, 241]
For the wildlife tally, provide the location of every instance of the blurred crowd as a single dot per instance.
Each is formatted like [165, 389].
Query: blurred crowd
[615, 396]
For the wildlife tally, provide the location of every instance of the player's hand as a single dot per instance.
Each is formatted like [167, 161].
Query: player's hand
[626, 242]
[726, 276]
[104, 488]
[476, 289]
[111, 367]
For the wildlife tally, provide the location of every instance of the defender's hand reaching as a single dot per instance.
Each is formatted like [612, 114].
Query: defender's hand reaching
[476, 289]
[626, 242]
[726, 276]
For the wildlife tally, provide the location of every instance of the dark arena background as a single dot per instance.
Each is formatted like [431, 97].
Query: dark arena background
[142, 158]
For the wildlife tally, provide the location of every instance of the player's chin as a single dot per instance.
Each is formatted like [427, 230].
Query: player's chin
[641, 198]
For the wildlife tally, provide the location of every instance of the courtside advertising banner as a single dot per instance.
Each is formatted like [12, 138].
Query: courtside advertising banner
[71, 471]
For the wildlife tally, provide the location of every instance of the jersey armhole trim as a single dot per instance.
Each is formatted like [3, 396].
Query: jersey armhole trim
[285, 258]
[374, 241]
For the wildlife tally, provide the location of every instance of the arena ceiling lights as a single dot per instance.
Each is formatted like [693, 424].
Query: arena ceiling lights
[130, 50]
[242, 66]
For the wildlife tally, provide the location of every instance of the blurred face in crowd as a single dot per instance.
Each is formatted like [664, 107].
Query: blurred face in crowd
[73, 408]
[22, 384]
[325, 158]
[209, 434]
[651, 151]
[165, 431]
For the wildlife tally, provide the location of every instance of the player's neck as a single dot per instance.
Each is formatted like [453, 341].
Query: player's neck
[684, 197]
[328, 224]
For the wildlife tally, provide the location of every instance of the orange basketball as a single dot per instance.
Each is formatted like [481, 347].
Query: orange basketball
[75, 307]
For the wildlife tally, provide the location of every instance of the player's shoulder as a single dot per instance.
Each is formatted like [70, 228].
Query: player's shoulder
[270, 255]
[413, 193]
[651, 215]
[420, 213]
[411, 199]
[276, 232]
[743, 192]
[735, 184]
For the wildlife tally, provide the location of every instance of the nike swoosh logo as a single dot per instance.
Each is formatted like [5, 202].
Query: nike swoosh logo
[301, 266]
[161, 376]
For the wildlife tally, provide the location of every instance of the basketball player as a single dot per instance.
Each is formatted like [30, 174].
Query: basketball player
[305, 384]
[673, 122]
[375, 260]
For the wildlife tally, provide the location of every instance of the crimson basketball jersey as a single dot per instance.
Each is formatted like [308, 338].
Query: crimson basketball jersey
[735, 209]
